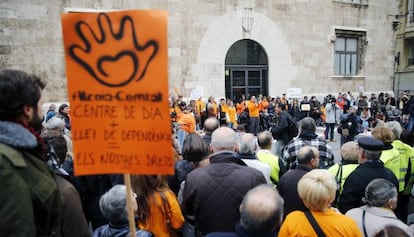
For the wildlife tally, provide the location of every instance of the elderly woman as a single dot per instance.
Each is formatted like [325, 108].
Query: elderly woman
[113, 205]
[317, 190]
[381, 200]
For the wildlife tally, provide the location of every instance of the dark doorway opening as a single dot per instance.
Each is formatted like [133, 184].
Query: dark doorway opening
[246, 70]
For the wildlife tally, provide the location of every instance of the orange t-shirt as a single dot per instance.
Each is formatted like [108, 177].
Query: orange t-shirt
[213, 109]
[224, 108]
[156, 222]
[263, 105]
[187, 122]
[200, 107]
[253, 109]
[231, 115]
[331, 222]
[240, 107]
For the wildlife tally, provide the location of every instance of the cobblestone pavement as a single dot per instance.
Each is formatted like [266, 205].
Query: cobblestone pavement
[336, 145]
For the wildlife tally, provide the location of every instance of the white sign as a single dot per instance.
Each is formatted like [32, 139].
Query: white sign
[196, 93]
[294, 93]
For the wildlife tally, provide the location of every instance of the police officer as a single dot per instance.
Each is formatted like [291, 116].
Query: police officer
[369, 169]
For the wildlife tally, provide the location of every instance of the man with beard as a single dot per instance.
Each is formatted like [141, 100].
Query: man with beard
[29, 196]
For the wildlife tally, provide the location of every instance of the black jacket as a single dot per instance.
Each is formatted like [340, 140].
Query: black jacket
[214, 193]
[289, 191]
[279, 131]
[181, 170]
[357, 181]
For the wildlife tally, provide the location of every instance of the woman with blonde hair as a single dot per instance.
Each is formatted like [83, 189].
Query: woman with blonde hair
[158, 208]
[317, 190]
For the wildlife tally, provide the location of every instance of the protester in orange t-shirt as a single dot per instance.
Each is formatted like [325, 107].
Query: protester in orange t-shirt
[158, 207]
[264, 105]
[240, 106]
[187, 121]
[200, 112]
[212, 107]
[231, 116]
[253, 107]
[317, 190]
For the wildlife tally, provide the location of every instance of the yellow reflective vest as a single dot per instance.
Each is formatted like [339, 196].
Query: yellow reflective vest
[391, 159]
[342, 171]
[267, 157]
[406, 160]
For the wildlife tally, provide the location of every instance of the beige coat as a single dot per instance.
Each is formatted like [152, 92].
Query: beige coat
[375, 219]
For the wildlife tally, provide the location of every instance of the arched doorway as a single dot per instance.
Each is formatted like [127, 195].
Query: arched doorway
[246, 70]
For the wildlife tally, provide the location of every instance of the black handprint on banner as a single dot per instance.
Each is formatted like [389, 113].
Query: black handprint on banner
[99, 60]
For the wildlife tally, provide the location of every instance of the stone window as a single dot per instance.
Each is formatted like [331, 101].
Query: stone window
[410, 51]
[410, 9]
[349, 49]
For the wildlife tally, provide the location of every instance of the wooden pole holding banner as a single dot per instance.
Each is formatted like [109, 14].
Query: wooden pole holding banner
[131, 212]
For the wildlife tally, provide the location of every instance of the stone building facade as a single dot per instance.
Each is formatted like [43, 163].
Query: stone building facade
[318, 46]
[403, 25]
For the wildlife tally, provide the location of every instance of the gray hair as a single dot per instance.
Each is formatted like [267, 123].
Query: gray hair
[395, 127]
[371, 155]
[224, 138]
[265, 140]
[55, 123]
[306, 154]
[308, 123]
[210, 125]
[350, 151]
[261, 209]
[247, 143]
[113, 204]
[378, 192]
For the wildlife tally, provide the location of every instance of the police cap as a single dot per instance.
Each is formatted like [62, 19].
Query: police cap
[370, 144]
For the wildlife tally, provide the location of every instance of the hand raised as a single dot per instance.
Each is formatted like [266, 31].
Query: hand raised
[105, 50]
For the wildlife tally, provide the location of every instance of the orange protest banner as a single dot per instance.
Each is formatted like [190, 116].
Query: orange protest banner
[117, 73]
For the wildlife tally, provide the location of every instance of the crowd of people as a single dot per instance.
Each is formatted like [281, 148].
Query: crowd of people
[252, 168]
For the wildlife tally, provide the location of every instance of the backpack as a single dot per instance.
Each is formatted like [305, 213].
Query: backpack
[292, 128]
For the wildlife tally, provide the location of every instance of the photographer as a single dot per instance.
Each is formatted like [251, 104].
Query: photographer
[315, 112]
[350, 124]
[332, 118]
